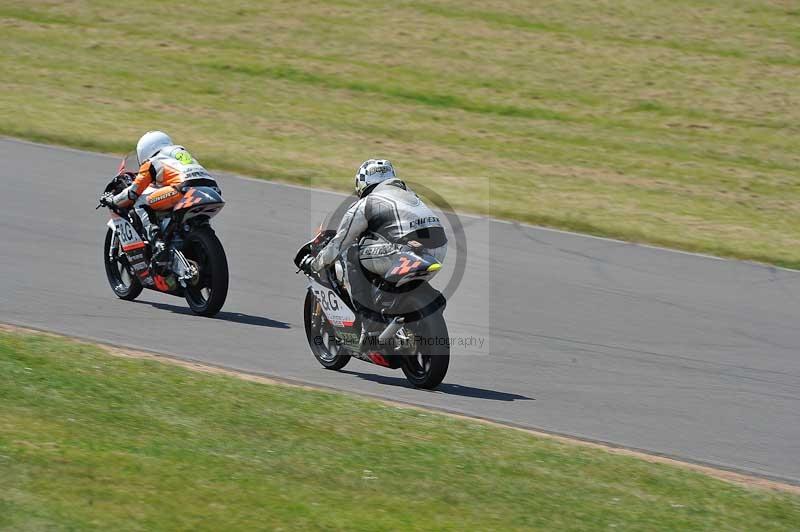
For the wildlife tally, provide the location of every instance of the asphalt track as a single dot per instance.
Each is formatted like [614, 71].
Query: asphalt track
[677, 354]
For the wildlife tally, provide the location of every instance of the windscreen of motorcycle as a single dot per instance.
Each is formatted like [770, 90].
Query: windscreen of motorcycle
[130, 163]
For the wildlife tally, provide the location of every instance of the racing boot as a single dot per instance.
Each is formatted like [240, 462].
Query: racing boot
[161, 255]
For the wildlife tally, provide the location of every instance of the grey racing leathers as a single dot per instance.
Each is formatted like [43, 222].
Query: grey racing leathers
[387, 217]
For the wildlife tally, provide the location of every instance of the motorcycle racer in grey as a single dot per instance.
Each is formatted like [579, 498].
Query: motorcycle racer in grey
[387, 215]
[369, 295]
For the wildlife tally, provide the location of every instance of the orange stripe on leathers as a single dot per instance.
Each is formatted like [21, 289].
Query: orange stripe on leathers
[143, 180]
[163, 204]
[170, 175]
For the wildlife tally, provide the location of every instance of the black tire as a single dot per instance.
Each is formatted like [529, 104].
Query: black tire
[428, 366]
[123, 281]
[320, 335]
[207, 294]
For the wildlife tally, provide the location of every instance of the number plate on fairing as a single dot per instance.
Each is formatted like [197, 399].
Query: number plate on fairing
[132, 245]
[336, 310]
[127, 235]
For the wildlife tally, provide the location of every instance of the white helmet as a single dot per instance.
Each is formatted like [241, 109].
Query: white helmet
[150, 143]
[372, 172]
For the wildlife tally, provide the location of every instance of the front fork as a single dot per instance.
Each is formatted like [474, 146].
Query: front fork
[114, 245]
[316, 315]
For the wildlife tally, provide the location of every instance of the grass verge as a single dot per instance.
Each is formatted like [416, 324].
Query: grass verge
[672, 123]
[89, 440]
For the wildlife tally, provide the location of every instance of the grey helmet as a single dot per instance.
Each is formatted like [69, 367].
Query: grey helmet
[150, 144]
[372, 172]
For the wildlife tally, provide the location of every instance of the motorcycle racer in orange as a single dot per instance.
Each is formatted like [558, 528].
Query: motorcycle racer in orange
[163, 166]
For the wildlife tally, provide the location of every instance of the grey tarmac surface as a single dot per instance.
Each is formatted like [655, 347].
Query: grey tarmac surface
[677, 354]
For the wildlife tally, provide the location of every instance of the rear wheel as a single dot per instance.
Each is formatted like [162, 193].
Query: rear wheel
[428, 364]
[120, 275]
[206, 294]
[321, 337]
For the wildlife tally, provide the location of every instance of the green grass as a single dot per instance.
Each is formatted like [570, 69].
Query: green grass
[674, 123]
[93, 441]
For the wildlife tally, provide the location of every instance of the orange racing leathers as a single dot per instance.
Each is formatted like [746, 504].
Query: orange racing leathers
[157, 184]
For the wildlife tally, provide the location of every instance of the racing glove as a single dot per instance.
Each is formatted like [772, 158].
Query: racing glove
[106, 199]
[305, 265]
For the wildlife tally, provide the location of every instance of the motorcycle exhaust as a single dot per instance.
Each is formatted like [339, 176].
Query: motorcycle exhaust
[391, 330]
[184, 270]
[385, 336]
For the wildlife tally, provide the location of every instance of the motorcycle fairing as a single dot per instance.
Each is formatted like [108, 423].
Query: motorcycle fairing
[203, 201]
[132, 246]
[321, 238]
[411, 266]
[335, 309]
[134, 249]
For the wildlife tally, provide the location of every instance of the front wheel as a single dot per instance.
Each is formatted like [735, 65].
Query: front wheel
[207, 292]
[321, 337]
[118, 271]
[428, 364]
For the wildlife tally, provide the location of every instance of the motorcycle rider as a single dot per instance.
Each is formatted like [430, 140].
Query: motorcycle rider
[163, 165]
[387, 216]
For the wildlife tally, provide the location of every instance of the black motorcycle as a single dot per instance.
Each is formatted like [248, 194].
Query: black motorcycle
[191, 263]
[406, 328]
